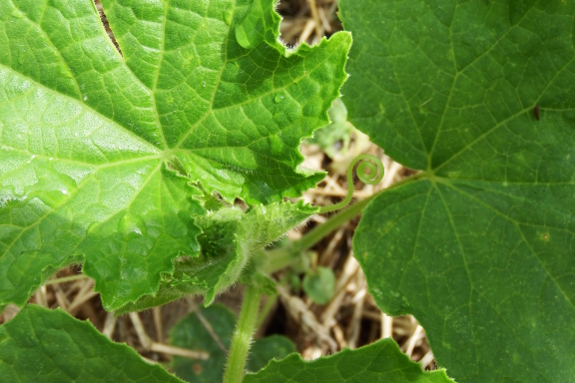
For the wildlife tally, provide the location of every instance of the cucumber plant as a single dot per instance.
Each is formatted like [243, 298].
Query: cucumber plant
[129, 163]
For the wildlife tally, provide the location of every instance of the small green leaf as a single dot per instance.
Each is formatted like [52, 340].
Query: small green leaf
[49, 346]
[263, 350]
[479, 245]
[339, 131]
[190, 333]
[381, 362]
[258, 24]
[320, 285]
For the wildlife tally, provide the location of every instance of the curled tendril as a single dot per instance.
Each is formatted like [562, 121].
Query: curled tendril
[370, 172]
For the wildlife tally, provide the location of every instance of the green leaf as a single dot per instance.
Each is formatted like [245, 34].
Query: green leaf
[190, 333]
[380, 362]
[233, 115]
[45, 346]
[229, 242]
[98, 150]
[320, 285]
[259, 24]
[338, 133]
[263, 350]
[479, 245]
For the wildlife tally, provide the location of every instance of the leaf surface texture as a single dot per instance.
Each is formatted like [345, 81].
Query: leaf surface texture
[49, 346]
[105, 157]
[380, 362]
[479, 246]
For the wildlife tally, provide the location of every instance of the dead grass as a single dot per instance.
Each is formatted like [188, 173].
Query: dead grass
[351, 319]
[308, 20]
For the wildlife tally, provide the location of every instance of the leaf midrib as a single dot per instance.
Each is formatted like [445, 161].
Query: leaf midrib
[448, 182]
[501, 123]
[458, 72]
[165, 153]
[166, 8]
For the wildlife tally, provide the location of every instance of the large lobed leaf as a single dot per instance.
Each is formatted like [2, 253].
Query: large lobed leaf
[49, 346]
[99, 151]
[479, 246]
[380, 362]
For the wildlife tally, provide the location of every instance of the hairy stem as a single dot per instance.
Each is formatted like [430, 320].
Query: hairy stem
[242, 336]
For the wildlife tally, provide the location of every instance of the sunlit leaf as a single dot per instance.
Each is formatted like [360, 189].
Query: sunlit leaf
[102, 154]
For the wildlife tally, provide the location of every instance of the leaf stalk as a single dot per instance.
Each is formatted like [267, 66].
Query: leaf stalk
[283, 257]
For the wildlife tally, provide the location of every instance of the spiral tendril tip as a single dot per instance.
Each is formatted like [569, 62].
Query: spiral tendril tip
[369, 171]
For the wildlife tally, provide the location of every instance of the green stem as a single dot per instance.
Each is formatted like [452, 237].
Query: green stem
[320, 232]
[288, 255]
[242, 336]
